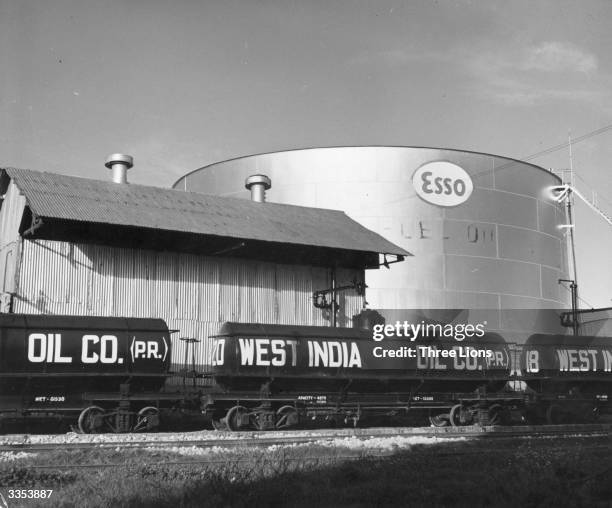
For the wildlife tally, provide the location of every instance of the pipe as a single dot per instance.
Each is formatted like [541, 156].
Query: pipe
[119, 164]
[258, 185]
[334, 304]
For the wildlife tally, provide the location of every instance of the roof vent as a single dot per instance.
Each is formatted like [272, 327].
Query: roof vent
[119, 163]
[258, 185]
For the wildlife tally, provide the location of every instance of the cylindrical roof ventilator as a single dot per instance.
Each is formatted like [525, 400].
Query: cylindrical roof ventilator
[119, 164]
[258, 185]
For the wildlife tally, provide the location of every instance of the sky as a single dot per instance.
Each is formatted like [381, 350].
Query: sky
[182, 84]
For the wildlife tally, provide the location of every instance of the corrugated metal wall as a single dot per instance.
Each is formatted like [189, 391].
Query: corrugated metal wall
[10, 218]
[193, 294]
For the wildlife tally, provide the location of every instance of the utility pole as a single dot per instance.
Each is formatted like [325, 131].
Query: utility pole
[570, 204]
[571, 226]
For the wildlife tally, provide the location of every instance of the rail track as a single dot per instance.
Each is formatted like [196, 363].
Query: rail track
[241, 440]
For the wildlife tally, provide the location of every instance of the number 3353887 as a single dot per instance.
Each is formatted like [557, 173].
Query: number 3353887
[30, 493]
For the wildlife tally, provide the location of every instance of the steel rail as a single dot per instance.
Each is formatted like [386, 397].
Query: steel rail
[260, 439]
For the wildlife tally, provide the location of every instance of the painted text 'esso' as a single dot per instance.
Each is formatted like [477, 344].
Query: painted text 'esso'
[442, 183]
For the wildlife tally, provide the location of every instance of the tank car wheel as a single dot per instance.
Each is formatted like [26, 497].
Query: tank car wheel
[219, 424]
[286, 417]
[91, 420]
[459, 416]
[235, 418]
[439, 420]
[147, 419]
[496, 414]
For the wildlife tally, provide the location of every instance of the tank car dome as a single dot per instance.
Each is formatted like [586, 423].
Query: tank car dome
[483, 231]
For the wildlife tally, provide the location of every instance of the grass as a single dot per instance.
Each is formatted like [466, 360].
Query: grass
[524, 472]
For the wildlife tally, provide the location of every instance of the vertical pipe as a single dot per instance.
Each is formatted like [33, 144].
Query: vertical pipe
[574, 285]
[334, 304]
[119, 164]
[258, 185]
[575, 324]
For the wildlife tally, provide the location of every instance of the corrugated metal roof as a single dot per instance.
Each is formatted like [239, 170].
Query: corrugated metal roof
[72, 198]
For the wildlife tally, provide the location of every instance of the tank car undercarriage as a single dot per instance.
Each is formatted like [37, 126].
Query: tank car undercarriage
[124, 411]
[104, 412]
[247, 411]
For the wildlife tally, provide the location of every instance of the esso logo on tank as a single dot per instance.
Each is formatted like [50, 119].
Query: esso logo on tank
[442, 183]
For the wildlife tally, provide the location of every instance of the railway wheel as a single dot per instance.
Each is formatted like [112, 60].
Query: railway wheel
[237, 418]
[219, 424]
[91, 420]
[496, 414]
[460, 416]
[147, 419]
[286, 417]
[440, 420]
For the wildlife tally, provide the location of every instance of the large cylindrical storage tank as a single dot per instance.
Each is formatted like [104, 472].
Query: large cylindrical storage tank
[483, 229]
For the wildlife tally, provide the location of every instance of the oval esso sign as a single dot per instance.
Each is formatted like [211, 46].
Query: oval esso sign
[442, 183]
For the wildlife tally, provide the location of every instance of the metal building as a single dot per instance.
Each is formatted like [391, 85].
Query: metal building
[483, 229]
[74, 246]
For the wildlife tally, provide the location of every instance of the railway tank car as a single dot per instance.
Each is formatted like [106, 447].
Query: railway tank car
[289, 358]
[572, 375]
[284, 373]
[69, 366]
